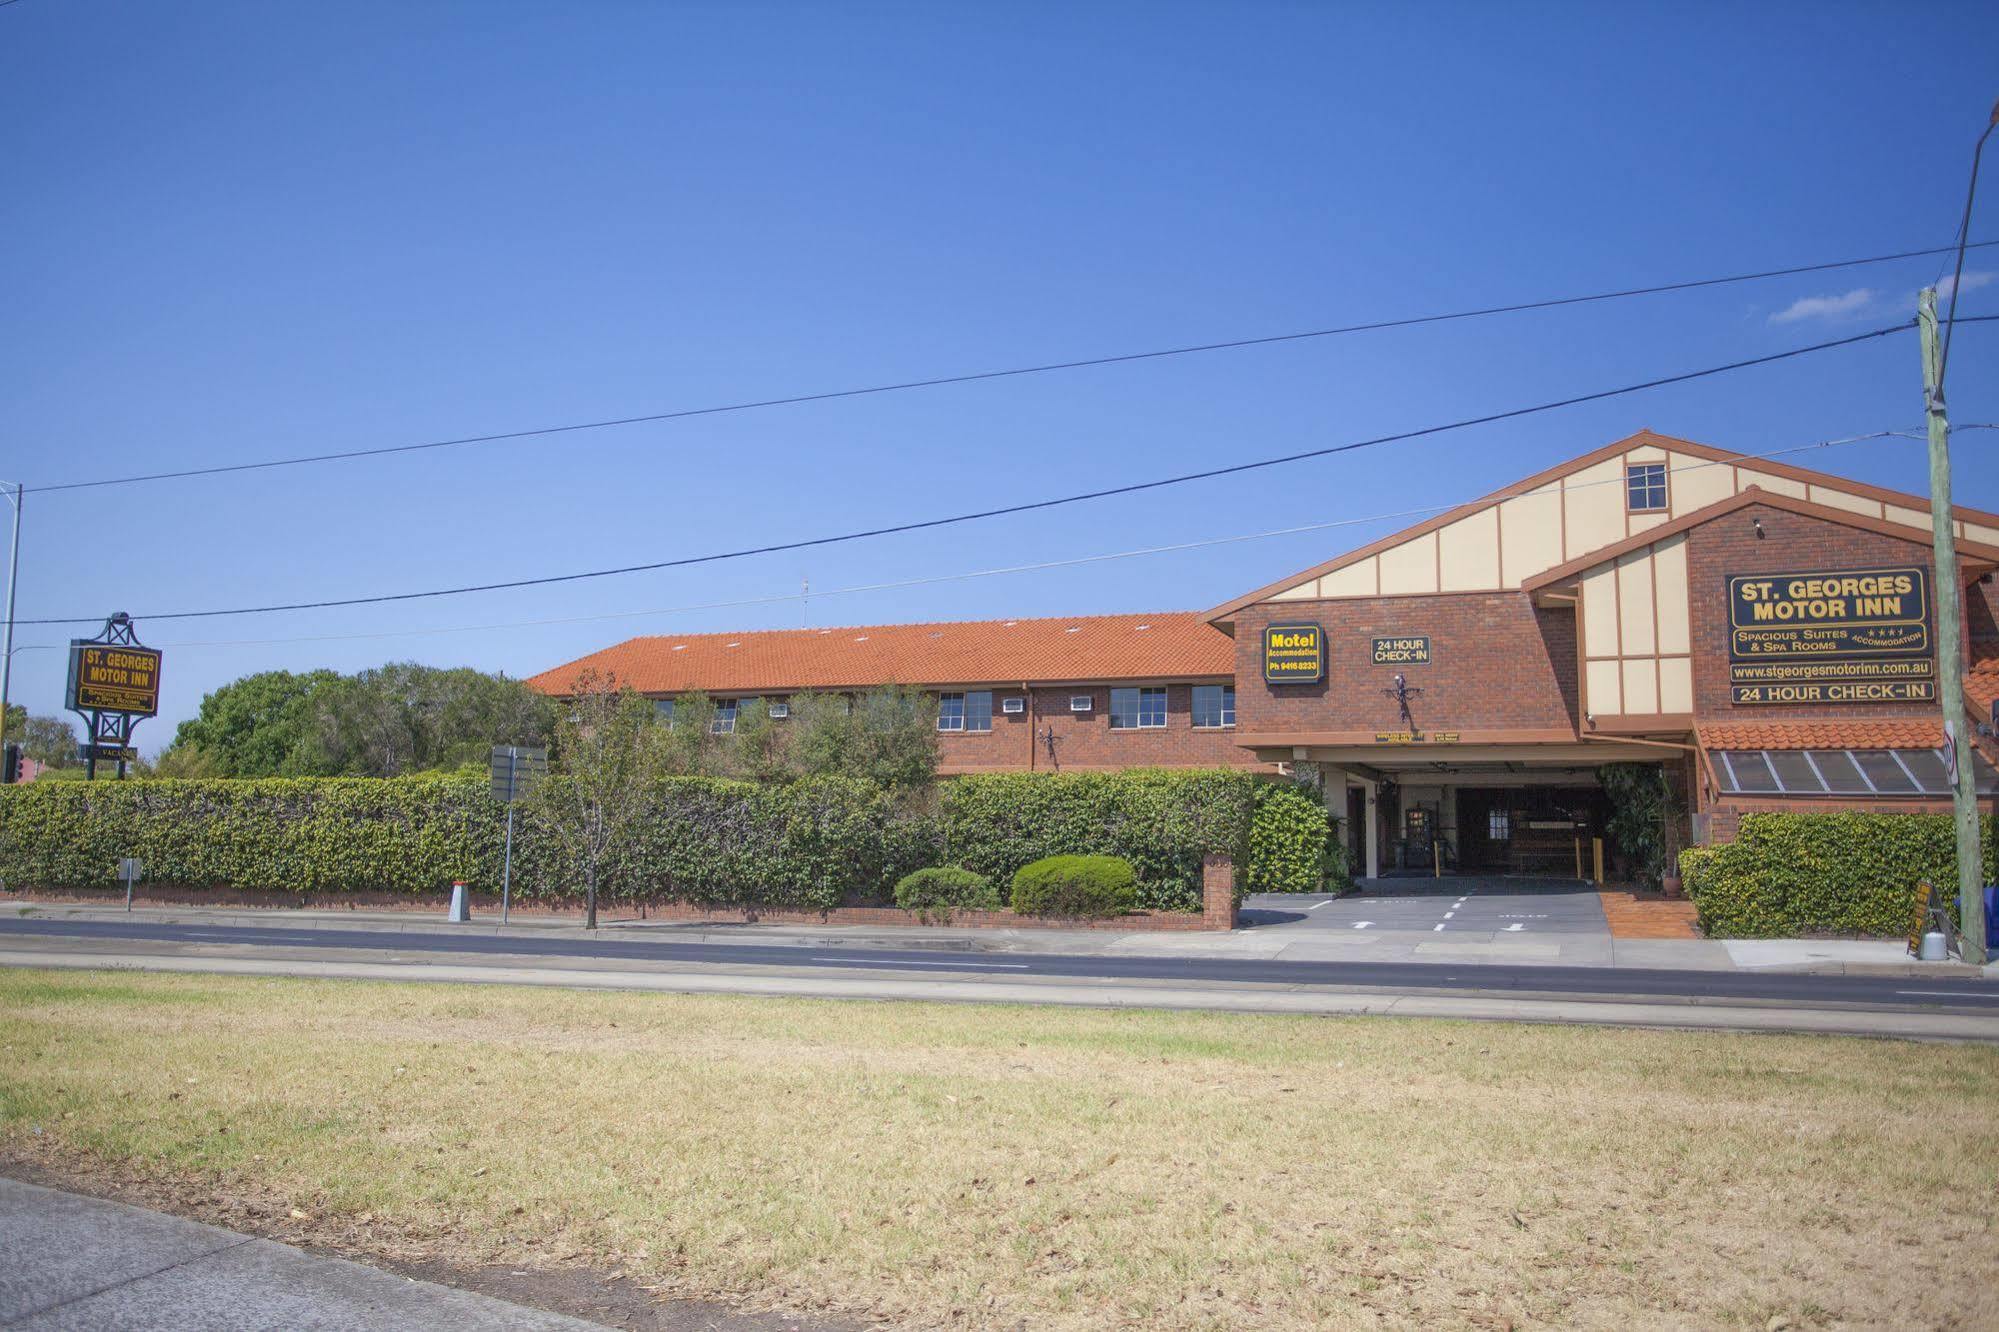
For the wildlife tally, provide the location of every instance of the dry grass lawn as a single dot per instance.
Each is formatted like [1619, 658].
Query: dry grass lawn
[972, 1166]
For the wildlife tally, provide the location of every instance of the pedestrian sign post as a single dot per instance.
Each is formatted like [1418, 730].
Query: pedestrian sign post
[516, 769]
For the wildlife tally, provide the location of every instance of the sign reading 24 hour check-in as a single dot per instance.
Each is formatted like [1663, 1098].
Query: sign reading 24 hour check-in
[1294, 654]
[1831, 636]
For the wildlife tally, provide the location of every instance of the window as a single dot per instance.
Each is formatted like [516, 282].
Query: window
[1842, 772]
[1498, 825]
[662, 708]
[725, 716]
[965, 712]
[1645, 487]
[1214, 706]
[1138, 709]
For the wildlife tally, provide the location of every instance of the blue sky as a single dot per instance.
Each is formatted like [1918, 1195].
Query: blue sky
[237, 231]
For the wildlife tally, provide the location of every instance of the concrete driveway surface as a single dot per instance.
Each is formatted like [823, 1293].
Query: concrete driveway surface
[80, 1264]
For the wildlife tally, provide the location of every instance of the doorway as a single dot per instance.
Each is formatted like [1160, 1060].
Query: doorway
[1529, 830]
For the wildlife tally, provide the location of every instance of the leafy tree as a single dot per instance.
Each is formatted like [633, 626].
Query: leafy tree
[256, 726]
[887, 735]
[609, 753]
[692, 747]
[183, 761]
[47, 740]
[760, 749]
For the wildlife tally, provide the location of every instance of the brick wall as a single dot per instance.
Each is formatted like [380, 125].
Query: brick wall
[1085, 741]
[1791, 543]
[1497, 662]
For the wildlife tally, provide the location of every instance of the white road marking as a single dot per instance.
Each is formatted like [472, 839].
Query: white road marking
[1316, 905]
[1516, 926]
[1439, 927]
[897, 966]
[1449, 914]
[1956, 994]
[1362, 924]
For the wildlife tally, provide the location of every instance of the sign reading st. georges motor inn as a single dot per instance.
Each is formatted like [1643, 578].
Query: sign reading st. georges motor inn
[1831, 636]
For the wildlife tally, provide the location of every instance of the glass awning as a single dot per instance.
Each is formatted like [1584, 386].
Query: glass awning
[1860, 773]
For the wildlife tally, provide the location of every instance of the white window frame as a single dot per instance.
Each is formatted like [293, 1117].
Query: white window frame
[1226, 709]
[1139, 723]
[945, 721]
[725, 716]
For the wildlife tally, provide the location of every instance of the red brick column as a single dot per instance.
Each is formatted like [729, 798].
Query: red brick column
[1217, 893]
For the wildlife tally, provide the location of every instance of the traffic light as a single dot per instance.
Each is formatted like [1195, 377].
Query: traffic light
[10, 764]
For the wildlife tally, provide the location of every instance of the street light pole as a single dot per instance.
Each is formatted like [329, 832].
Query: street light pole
[14, 496]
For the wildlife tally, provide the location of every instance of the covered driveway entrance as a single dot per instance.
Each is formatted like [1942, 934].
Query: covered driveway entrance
[1439, 808]
[1457, 909]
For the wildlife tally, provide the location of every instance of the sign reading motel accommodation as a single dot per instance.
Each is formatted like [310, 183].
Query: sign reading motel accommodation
[1402, 651]
[1831, 636]
[114, 677]
[1294, 654]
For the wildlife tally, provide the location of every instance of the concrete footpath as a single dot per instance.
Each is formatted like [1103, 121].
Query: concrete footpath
[73, 1263]
[1274, 929]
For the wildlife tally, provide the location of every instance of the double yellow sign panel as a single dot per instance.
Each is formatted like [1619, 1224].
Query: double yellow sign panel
[112, 677]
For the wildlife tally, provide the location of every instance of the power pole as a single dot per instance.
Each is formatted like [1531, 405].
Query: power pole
[1950, 632]
[13, 572]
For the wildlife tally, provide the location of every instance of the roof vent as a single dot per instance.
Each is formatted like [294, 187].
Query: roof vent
[680, 647]
[1073, 629]
[1144, 626]
[1011, 623]
[860, 638]
[738, 643]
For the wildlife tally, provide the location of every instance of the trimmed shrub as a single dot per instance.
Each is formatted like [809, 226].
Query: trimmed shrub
[946, 887]
[1841, 873]
[1291, 844]
[1088, 887]
[1161, 821]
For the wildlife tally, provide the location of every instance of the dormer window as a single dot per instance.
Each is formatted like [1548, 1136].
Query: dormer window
[1645, 487]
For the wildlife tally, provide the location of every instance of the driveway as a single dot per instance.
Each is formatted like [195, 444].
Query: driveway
[1463, 909]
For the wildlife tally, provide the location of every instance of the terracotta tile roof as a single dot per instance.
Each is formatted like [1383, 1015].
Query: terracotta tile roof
[1175, 645]
[1981, 685]
[1858, 733]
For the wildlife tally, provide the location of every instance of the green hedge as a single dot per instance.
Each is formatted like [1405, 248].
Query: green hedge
[1163, 821]
[1845, 873]
[1292, 843]
[809, 844]
[1077, 887]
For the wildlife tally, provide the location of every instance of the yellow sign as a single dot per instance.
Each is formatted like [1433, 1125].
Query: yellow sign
[1294, 654]
[112, 677]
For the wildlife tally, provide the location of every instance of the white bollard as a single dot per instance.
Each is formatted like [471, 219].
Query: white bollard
[461, 908]
[1935, 948]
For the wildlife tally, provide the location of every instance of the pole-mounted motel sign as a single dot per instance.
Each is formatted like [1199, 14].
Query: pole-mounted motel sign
[114, 684]
[1832, 636]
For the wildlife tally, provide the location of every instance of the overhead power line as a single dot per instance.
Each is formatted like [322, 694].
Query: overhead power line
[1003, 510]
[1039, 566]
[1379, 325]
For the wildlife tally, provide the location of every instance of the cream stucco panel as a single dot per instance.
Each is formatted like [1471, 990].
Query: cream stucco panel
[1601, 695]
[1530, 534]
[1669, 567]
[1468, 552]
[1594, 501]
[1676, 684]
[1410, 567]
[1641, 687]
[1975, 532]
[1305, 591]
[1356, 580]
[1841, 499]
[1918, 518]
[1634, 606]
[1778, 485]
[1600, 613]
[1694, 483]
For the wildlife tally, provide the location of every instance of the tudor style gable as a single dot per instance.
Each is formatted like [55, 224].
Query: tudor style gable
[1575, 511]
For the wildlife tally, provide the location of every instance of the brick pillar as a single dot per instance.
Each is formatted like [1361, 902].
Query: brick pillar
[1217, 893]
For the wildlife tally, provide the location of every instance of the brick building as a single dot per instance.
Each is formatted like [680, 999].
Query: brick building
[1763, 632]
[1070, 694]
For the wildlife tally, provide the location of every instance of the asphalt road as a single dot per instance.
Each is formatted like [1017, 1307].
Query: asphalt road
[1956, 994]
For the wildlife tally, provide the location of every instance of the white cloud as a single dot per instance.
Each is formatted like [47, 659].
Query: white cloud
[1972, 282]
[1829, 307]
